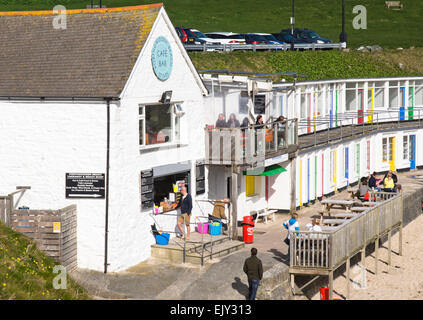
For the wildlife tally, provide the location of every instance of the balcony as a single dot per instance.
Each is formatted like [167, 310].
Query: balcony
[250, 147]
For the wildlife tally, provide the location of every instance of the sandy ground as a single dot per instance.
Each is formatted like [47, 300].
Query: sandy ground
[403, 280]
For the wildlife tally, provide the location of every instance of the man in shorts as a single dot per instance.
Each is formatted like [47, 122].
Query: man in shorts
[186, 207]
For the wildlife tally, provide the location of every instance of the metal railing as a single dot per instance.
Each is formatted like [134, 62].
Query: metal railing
[268, 47]
[330, 249]
[249, 145]
[202, 242]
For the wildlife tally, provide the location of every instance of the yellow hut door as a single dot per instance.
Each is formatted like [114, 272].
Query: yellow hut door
[370, 104]
[391, 158]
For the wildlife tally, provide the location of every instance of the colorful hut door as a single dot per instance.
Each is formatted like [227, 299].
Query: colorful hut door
[412, 150]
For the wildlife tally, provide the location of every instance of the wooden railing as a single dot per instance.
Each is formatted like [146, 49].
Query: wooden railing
[251, 145]
[328, 250]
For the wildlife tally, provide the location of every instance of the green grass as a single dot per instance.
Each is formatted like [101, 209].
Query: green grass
[26, 273]
[387, 28]
[333, 64]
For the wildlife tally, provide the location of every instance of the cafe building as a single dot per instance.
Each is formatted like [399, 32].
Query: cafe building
[104, 93]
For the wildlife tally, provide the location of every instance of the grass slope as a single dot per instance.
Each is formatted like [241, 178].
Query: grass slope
[26, 273]
[385, 27]
[331, 64]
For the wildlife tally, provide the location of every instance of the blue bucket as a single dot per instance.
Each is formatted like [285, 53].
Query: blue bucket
[215, 229]
[162, 239]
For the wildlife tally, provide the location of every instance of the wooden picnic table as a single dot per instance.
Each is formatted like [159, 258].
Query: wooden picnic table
[345, 215]
[358, 209]
[344, 204]
[331, 222]
[369, 203]
[352, 192]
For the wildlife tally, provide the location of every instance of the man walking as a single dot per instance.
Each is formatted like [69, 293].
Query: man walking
[254, 270]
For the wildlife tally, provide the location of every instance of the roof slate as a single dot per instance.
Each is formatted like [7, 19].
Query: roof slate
[92, 57]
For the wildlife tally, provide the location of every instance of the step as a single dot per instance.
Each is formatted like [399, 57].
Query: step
[173, 252]
[219, 250]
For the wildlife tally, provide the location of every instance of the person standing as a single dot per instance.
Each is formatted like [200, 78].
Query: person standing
[292, 225]
[253, 267]
[185, 203]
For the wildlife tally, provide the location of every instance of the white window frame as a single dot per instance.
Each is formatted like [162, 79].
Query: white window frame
[174, 117]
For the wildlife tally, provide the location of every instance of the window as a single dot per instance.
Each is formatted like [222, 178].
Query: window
[200, 179]
[320, 101]
[379, 95]
[303, 110]
[249, 186]
[350, 97]
[418, 95]
[405, 147]
[391, 148]
[385, 149]
[164, 186]
[393, 94]
[158, 124]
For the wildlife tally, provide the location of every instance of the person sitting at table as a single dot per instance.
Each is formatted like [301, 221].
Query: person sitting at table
[362, 189]
[221, 122]
[314, 226]
[389, 183]
[374, 182]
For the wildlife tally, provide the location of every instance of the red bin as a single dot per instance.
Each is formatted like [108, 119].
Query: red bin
[324, 293]
[248, 229]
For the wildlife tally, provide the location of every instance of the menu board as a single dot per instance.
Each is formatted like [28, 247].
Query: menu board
[147, 189]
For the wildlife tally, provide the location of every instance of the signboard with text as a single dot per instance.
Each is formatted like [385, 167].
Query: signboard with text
[85, 185]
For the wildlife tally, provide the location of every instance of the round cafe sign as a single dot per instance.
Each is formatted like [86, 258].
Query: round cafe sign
[162, 58]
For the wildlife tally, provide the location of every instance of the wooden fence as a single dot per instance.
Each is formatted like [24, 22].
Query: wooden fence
[54, 231]
[321, 253]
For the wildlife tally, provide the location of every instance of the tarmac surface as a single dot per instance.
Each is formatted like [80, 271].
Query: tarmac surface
[222, 279]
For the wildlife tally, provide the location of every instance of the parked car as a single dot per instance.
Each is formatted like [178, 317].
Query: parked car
[254, 38]
[227, 37]
[202, 36]
[307, 36]
[286, 37]
[187, 37]
[271, 38]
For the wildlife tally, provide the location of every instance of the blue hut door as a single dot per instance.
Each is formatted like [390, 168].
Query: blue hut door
[412, 144]
[402, 107]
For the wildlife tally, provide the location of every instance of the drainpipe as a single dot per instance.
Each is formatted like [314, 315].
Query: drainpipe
[106, 228]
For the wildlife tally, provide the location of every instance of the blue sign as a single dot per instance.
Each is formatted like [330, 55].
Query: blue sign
[162, 58]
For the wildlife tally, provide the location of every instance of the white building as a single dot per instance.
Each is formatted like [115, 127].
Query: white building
[88, 99]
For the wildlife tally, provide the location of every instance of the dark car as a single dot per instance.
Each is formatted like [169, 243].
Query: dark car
[252, 38]
[306, 36]
[187, 37]
[285, 37]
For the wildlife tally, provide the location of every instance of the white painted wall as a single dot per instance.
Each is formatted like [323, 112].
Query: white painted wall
[44, 141]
